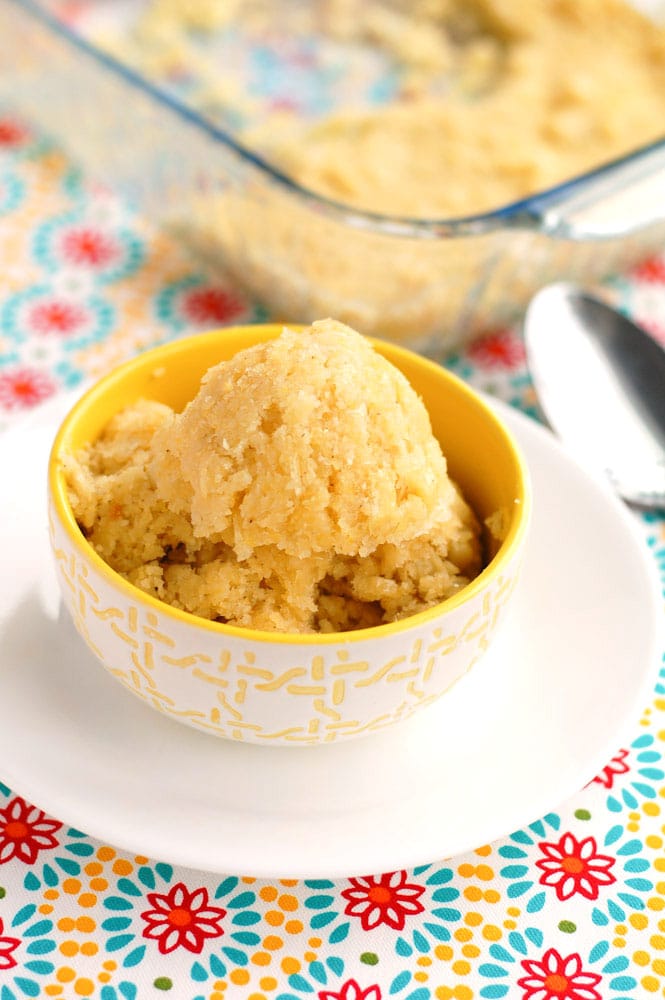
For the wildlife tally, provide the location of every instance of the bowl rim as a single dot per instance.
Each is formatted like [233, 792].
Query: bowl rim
[510, 545]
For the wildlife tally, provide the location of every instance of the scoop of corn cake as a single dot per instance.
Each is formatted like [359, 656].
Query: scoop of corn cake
[302, 489]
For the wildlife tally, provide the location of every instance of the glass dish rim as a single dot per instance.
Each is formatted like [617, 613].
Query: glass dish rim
[526, 213]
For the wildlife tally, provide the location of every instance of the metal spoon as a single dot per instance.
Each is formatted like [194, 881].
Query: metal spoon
[600, 381]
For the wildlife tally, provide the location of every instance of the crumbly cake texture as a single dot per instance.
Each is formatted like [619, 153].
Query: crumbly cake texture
[538, 93]
[301, 490]
[496, 99]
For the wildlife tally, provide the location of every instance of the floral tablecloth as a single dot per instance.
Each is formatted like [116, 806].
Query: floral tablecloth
[571, 907]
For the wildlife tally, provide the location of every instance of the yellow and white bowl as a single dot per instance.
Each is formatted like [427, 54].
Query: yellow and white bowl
[266, 687]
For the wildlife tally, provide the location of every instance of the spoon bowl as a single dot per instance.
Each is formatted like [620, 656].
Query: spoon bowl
[600, 382]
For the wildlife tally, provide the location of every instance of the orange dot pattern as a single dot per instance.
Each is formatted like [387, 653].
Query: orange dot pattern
[488, 916]
[288, 945]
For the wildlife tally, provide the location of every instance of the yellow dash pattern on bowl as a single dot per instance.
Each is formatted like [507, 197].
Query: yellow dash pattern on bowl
[266, 687]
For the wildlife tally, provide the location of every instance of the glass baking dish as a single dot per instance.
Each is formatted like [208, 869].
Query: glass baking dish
[429, 283]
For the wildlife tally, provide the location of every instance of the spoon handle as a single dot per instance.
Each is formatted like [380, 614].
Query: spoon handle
[600, 381]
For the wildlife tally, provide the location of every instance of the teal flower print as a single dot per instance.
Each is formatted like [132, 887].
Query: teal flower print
[575, 867]
[351, 990]
[23, 387]
[558, 976]
[25, 831]
[644, 775]
[383, 899]
[107, 252]
[35, 943]
[40, 313]
[217, 927]
[182, 919]
[580, 867]
[195, 303]
[12, 191]
[387, 902]
[524, 959]
[8, 946]
[17, 140]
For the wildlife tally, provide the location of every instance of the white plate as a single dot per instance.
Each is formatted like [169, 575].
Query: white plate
[530, 725]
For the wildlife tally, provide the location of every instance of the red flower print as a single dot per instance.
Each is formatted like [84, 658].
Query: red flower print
[211, 305]
[25, 831]
[12, 133]
[388, 899]
[573, 866]
[7, 946]
[284, 104]
[88, 247]
[71, 10]
[651, 270]
[182, 919]
[57, 317]
[616, 766]
[351, 991]
[24, 387]
[557, 978]
[498, 349]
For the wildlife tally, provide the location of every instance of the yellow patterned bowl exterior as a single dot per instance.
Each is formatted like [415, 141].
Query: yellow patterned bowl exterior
[265, 687]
